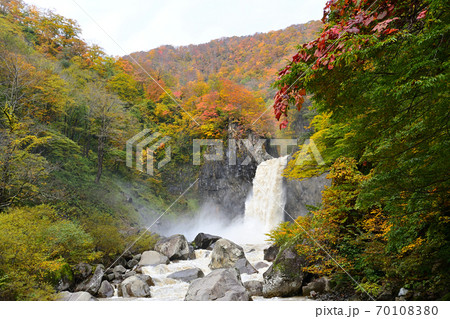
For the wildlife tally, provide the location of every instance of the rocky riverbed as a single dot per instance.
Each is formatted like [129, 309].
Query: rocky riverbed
[208, 268]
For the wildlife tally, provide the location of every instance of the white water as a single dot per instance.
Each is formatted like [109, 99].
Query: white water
[264, 210]
[266, 204]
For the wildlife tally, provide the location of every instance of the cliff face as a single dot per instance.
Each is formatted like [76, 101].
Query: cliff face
[299, 194]
[226, 186]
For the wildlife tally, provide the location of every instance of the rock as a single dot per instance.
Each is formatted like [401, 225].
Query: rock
[405, 293]
[303, 193]
[152, 258]
[64, 278]
[319, 286]
[92, 284]
[225, 254]
[120, 269]
[187, 275]
[127, 255]
[110, 277]
[245, 267]
[106, 290]
[82, 271]
[220, 284]
[284, 278]
[134, 287]
[254, 287]
[146, 278]
[191, 252]
[137, 257]
[129, 274]
[175, 247]
[203, 241]
[132, 262]
[76, 296]
[121, 261]
[386, 294]
[271, 253]
[261, 264]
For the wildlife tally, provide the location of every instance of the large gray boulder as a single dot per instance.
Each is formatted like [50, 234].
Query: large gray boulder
[244, 267]
[175, 247]
[225, 254]
[284, 278]
[76, 296]
[204, 241]
[219, 285]
[82, 271]
[152, 258]
[271, 253]
[133, 287]
[254, 287]
[187, 275]
[106, 290]
[92, 285]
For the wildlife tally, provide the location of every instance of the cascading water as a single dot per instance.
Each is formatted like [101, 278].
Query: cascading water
[266, 205]
[264, 210]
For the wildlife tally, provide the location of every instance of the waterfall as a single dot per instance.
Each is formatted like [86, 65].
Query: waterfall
[266, 205]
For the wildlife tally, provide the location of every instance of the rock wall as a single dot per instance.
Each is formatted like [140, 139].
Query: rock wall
[299, 194]
[226, 186]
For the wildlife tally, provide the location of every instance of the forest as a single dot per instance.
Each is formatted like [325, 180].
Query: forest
[372, 78]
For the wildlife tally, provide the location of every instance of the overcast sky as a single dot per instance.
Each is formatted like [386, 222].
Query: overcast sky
[141, 25]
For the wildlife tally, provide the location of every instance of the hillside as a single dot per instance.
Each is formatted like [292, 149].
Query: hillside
[252, 61]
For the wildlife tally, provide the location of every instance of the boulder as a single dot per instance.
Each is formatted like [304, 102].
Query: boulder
[203, 241]
[146, 278]
[134, 287]
[64, 278]
[129, 274]
[254, 287]
[152, 258]
[284, 278]
[187, 275]
[405, 293]
[319, 285]
[225, 254]
[175, 247]
[106, 290]
[76, 296]
[92, 284]
[120, 269]
[127, 255]
[245, 267]
[219, 285]
[109, 277]
[271, 253]
[132, 262]
[121, 261]
[82, 271]
[261, 264]
[137, 257]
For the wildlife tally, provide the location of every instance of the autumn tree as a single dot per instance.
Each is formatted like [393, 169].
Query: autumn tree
[105, 112]
[378, 73]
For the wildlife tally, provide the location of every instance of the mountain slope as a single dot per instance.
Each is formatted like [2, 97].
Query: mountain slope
[252, 61]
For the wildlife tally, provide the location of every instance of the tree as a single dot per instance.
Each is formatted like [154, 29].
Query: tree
[105, 112]
[379, 78]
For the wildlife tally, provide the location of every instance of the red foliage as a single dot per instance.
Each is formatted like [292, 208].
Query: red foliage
[343, 20]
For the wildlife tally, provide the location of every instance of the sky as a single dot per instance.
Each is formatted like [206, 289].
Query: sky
[124, 26]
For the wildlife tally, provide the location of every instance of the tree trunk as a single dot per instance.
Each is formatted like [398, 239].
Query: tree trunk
[100, 154]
